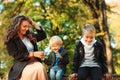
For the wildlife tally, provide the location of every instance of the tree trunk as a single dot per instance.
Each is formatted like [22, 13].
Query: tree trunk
[106, 38]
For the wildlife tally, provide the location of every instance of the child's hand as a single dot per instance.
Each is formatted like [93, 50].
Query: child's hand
[56, 50]
[58, 55]
[107, 76]
[73, 76]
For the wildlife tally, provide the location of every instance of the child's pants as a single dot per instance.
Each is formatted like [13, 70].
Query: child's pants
[95, 73]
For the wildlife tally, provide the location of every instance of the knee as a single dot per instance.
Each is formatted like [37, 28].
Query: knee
[58, 75]
[52, 73]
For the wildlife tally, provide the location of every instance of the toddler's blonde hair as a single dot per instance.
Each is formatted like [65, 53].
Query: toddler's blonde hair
[56, 40]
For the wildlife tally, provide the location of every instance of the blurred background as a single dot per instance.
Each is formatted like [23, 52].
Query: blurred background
[65, 18]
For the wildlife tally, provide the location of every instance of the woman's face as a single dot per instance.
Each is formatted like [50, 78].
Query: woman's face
[88, 37]
[24, 26]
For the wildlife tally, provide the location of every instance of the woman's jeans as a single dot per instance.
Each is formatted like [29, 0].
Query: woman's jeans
[95, 73]
[56, 73]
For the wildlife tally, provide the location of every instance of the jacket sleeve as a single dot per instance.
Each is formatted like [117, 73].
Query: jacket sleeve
[76, 59]
[102, 58]
[65, 59]
[49, 60]
[40, 35]
[16, 51]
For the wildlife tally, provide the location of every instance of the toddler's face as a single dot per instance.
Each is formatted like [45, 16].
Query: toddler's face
[88, 37]
[55, 47]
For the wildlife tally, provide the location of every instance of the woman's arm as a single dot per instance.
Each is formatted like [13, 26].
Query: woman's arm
[17, 50]
[40, 35]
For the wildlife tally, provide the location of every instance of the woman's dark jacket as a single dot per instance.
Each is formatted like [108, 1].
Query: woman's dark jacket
[19, 52]
[99, 55]
[61, 63]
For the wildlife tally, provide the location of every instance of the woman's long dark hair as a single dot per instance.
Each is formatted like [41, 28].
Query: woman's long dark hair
[14, 28]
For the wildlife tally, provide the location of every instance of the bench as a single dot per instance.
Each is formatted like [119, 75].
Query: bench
[114, 77]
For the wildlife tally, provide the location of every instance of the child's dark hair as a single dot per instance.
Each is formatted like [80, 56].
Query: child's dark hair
[88, 28]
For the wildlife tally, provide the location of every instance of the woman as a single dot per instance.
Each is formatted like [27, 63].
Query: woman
[21, 45]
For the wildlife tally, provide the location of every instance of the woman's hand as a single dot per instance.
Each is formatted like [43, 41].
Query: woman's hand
[39, 54]
[33, 23]
[30, 21]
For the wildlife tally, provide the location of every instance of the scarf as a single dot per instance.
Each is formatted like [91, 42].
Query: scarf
[88, 46]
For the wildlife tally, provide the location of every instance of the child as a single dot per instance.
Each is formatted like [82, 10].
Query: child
[89, 57]
[58, 59]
